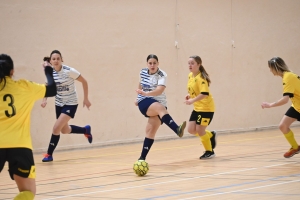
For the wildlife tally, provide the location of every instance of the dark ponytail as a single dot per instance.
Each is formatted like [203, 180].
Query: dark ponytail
[203, 72]
[46, 59]
[6, 65]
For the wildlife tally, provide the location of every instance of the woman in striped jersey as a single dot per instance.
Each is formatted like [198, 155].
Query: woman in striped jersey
[66, 102]
[291, 90]
[152, 103]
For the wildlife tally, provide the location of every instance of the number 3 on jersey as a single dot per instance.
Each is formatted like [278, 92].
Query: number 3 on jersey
[10, 99]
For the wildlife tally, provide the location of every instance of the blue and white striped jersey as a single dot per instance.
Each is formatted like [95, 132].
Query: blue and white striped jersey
[149, 82]
[66, 91]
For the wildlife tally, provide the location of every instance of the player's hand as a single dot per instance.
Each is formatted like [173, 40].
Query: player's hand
[141, 92]
[87, 103]
[136, 103]
[43, 104]
[187, 97]
[265, 105]
[189, 102]
[45, 63]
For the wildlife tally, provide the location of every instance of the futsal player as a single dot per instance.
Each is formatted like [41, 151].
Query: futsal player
[66, 102]
[204, 107]
[291, 90]
[16, 101]
[152, 103]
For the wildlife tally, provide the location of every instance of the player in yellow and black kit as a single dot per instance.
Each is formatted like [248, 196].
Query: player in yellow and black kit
[204, 107]
[16, 101]
[291, 90]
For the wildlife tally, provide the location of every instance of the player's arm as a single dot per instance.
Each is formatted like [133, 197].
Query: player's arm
[139, 88]
[158, 91]
[200, 97]
[50, 87]
[280, 102]
[85, 87]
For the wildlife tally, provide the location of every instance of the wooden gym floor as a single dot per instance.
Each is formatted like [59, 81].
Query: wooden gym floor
[247, 166]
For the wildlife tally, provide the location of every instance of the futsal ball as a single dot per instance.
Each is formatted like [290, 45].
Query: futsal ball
[141, 167]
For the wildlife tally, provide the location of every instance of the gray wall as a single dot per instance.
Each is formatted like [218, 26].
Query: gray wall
[108, 42]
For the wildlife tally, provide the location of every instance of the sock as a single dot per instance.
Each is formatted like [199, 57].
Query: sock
[25, 195]
[77, 129]
[206, 142]
[53, 143]
[146, 148]
[167, 119]
[291, 139]
[209, 133]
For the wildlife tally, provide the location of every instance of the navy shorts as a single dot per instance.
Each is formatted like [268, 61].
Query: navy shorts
[291, 112]
[20, 162]
[69, 110]
[144, 105]
[202, 118]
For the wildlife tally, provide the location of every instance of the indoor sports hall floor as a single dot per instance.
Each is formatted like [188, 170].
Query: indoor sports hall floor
[247, 166]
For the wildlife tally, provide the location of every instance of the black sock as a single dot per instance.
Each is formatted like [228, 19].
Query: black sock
[167, 119]
[146, 148]
[77, 129]
[53, 143]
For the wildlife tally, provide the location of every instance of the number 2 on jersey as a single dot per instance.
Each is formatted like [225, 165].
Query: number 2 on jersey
[10, 98]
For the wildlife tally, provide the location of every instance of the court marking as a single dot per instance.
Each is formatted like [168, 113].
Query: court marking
[139, 186]
[246, 189]
[178, 180]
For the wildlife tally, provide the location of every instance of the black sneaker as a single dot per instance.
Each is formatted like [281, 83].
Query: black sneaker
[180, 129]
[213, 139]
[207, 155]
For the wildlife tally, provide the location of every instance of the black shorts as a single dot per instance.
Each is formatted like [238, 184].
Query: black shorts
[20, 162]
[202, 118]
[69, 110]
[291, 112]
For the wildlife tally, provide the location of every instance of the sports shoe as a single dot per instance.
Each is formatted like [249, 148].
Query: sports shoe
[47, 158]
[88, 133]
[213, 139]
[180, 129]
[292, 152]
[207, 155]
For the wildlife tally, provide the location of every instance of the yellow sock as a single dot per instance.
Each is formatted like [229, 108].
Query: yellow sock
[209, 133]
[291, 139]
[206, 142]
[25, 195]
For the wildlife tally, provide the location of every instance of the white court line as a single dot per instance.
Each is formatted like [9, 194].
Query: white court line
[125, 188]
[220, 193]
[280, 164]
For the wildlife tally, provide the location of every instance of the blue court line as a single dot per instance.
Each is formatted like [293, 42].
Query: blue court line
[222, 187]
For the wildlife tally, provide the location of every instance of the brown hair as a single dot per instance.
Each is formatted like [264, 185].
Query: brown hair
[203, 72]
[278, 65]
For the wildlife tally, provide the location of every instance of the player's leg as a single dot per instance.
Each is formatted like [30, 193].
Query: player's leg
[205, 139]
[22, 170]
[62, 121]
[70, 110]
[26, 186]
[157, 108]
[151, 129]
[284, 126]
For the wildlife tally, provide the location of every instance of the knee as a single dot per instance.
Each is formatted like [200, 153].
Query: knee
[192, 130]
[284, 128]
[56, 130]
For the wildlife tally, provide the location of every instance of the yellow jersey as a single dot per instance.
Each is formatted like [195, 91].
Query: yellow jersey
[197, 85]
[16, 101]
[291, 87]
